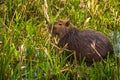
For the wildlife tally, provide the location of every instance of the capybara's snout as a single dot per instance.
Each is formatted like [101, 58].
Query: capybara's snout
[49, 27]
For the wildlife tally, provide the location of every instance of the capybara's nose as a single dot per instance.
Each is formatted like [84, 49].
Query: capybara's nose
[49, 26]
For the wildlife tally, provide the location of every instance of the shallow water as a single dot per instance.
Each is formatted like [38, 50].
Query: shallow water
[116, 42]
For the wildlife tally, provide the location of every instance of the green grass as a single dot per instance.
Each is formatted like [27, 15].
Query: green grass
[28, 52]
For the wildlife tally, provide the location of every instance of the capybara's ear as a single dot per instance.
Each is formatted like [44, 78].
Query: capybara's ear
[67, 23]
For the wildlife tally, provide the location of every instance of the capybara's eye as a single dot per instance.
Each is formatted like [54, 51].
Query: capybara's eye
[60, 24]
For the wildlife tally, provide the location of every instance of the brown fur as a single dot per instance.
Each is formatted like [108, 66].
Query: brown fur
[86, 43]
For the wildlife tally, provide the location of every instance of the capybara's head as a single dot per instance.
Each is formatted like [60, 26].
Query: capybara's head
[60, 28]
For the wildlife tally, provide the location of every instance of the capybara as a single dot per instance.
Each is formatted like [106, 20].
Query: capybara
[90, 45]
